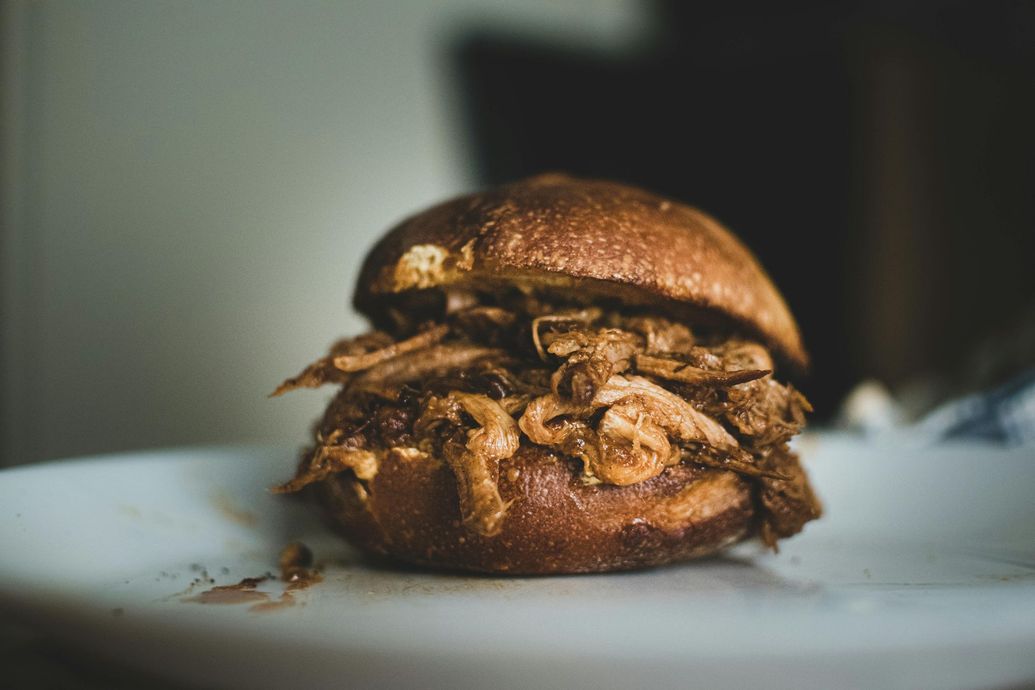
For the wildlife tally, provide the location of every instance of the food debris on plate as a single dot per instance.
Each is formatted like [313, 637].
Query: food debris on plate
[295, 563]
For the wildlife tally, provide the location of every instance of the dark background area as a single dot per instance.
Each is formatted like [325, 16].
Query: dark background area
[877, 157]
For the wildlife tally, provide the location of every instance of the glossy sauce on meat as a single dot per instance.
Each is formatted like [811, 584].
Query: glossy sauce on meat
[628, 395]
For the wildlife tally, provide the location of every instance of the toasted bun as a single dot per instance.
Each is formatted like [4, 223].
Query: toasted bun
[555, 524]
[601, 238]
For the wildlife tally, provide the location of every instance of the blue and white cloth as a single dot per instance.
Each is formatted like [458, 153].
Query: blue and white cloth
[1004, 415]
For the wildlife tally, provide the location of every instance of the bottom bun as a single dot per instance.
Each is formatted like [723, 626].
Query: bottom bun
[556, 523]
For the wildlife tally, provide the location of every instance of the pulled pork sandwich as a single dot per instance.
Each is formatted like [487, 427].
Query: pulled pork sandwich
[564, 376]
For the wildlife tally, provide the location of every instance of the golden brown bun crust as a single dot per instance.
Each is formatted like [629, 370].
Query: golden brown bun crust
[556, 524]
[601, 237]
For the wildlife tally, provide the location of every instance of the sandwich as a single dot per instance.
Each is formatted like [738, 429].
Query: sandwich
[562, 376]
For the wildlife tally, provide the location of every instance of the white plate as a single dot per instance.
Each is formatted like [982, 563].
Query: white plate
[922, 574]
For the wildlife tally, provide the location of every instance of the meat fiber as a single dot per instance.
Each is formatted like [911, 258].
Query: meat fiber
[626, 395]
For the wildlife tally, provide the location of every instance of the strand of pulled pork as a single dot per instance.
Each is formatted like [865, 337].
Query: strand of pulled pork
[327, 459]
[632, 443]
[474, 454]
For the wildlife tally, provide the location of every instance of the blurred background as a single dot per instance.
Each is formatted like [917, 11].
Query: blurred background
[188, 187]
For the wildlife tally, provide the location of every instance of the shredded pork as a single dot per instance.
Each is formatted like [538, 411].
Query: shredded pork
[474, 454]
[627, 395]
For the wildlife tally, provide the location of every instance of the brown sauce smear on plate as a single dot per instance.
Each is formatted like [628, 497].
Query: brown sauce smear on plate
[295, 570]
[241, 593]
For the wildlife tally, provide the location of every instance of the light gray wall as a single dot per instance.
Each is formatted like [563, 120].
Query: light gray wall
[189, 188]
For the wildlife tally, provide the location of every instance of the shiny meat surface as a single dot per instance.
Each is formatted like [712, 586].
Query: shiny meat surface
[628, 395]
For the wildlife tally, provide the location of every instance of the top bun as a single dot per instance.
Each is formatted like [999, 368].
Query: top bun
[594, 237]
